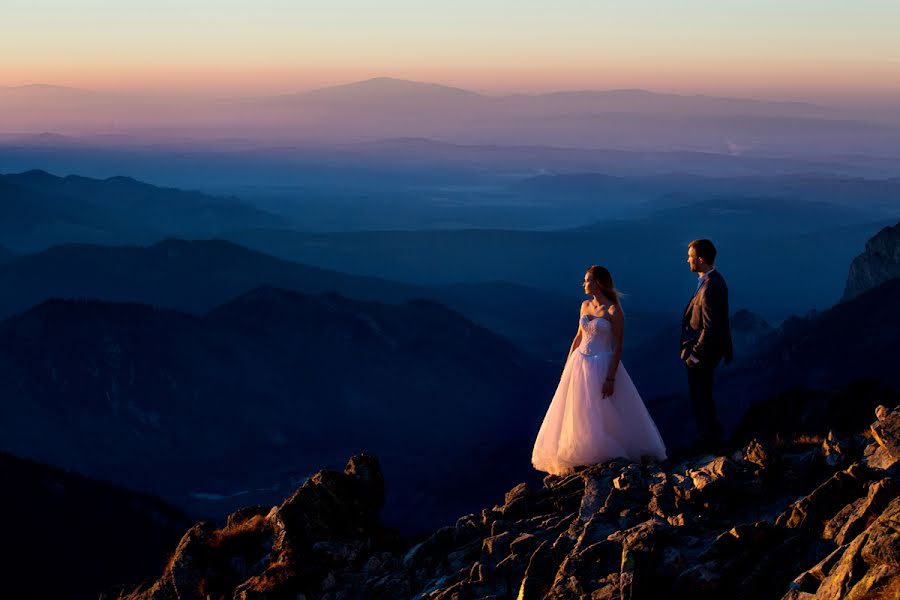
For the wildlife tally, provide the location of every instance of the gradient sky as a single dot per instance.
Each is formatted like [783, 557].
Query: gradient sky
[798, 49]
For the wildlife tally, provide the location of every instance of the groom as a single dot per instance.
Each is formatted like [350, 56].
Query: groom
[705, 339]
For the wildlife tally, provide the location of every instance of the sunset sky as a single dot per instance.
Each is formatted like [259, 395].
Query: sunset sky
[800, 49]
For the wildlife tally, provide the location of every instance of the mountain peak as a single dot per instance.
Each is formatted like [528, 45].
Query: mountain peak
[880, 262]
[390, 87]
[34, 175]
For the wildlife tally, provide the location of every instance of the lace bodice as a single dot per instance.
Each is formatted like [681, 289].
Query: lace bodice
[596, 335]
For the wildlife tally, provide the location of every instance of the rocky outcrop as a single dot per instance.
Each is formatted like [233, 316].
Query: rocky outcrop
[810, 518]
[879, 262]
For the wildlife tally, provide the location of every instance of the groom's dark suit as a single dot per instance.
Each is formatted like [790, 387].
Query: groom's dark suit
[706, 340]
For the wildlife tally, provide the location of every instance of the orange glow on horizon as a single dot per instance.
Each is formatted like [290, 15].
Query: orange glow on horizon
[790, 79]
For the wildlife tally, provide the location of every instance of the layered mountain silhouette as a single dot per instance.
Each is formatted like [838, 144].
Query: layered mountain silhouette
[38, 209]
[424, 95]
[192, 276]
[92, 535]
[235, 406]
[195, 276]
[387, 107]
[645, 255]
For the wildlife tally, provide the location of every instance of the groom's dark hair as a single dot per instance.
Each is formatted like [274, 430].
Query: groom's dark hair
[705, 250]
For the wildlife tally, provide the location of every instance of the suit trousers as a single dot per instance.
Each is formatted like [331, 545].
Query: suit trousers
[700, 383]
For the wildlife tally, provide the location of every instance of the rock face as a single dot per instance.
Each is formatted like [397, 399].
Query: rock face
[809, 518]
[879, 262]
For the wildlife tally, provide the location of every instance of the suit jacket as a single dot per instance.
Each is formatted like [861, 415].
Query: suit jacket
[705, 328]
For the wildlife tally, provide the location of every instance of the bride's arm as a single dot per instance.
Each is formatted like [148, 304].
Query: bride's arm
[577, 341]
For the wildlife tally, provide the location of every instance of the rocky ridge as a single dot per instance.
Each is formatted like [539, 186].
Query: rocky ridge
[814, 517]
[879, 262]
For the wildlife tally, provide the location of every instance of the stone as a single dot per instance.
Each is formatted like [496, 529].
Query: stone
[882, 545]
[834, 449]
[886, 431]
[520, 491]
[759, 454]
[596, 490]
[524, 545]
[851, 520]
[811, 511]
[538, 575]
[497, 546]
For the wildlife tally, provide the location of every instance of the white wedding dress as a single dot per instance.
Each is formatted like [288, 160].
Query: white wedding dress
[583, 428]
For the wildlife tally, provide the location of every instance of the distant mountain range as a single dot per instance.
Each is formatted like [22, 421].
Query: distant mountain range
[205, 410]
[196, 276]
[645, 255]
[39, 209]
[386, 107]
[391, 90]
[387, 91]
[860, 198]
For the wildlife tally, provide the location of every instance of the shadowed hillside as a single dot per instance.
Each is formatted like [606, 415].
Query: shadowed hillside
[223, 409]
[38, 209]
[195, 276]
[91, 535]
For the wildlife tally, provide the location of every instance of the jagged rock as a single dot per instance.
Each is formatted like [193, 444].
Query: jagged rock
[882, 545]
[759, 454]
[878, 547]
[539, 574]
[707, 476]
[524, 545]
[879, 262]
[887, 431]
[520, 491]
[809, 581]
[857, 516]
[834, 449]
[595, 492]
[703, 527]
[822, 503]
[497, 546]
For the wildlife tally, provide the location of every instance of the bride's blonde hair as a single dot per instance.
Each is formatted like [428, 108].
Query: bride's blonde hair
[605, 281]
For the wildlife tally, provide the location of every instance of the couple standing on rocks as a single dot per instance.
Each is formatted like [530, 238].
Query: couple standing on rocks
[597, 413]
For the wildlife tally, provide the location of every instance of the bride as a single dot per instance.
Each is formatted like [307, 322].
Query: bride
[596, 413]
